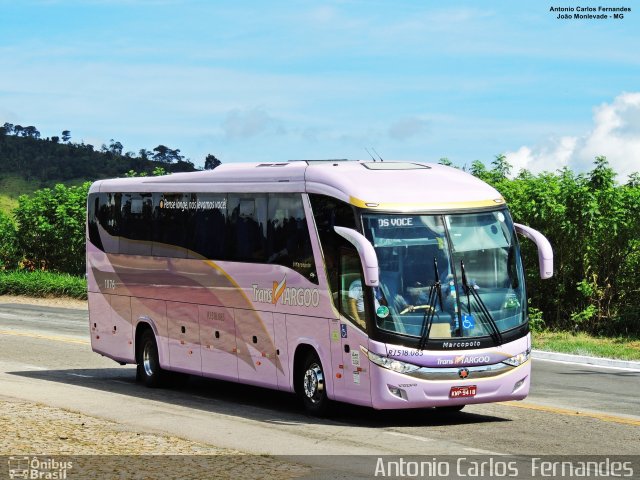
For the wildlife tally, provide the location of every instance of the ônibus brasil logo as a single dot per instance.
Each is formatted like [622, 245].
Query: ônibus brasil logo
[290, 296]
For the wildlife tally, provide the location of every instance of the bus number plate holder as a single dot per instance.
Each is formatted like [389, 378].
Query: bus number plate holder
[466, 391]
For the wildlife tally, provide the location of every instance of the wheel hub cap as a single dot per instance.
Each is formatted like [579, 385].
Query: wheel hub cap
[146, 361]
[313, 382]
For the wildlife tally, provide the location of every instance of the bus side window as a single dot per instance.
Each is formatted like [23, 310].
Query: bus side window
[328, 213]
[109, 218]
[247, 218]
[209, 223]
[92, 220]
[170, 224]
[352, 299]
[289, 243]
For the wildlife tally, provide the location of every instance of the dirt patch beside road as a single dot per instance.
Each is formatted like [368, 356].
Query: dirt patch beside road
[98, 446]
[47, 302]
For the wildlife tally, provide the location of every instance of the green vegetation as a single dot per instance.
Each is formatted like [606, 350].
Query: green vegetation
[9, 254]
[42, 284]
[593, 225]
[51, 229]
[580, 343]
[58, 160]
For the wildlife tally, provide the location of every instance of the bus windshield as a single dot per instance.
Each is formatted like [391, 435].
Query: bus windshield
[422, 259]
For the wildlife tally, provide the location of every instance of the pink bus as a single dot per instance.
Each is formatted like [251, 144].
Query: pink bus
[384, 284]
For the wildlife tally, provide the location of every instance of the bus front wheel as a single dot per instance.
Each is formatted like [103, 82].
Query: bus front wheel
[148, 370]
[312, 389]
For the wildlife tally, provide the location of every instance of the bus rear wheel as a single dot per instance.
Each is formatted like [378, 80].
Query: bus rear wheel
[148, 369]
[311, 386]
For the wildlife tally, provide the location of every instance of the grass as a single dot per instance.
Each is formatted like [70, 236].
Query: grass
[7, 203]
[11, 187]
[42, 284]
[623, 348]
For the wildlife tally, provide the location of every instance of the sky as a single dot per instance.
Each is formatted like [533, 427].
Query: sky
[277, 80]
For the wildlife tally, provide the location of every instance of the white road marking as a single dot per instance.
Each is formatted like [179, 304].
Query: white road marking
[412, 437]
[80, 375]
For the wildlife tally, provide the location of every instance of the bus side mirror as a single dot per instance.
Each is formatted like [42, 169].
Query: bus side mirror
[545, 252]
[367, 254]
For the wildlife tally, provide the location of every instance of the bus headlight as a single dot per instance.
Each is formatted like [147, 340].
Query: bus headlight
[518, 359]
[390, 363]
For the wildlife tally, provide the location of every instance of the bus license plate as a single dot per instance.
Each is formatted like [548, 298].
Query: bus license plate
[458, 392]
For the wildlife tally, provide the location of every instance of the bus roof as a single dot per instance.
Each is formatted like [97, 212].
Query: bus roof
[389, 185]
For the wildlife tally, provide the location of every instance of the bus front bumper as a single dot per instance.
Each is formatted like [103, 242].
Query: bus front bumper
[391, 390]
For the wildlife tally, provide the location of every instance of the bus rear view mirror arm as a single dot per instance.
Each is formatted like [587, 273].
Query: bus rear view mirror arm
[367, 254]
[545, 252]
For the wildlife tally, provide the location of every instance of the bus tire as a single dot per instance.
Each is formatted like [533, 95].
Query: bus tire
[148, 369]
[312, 385]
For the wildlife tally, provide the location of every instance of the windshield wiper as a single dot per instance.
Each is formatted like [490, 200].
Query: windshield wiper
[483, 308]
[435, 292]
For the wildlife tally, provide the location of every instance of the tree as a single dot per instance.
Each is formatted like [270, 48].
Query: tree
[167, 155]
[501, 168]
[445, 161]
[115, 147]
[479, 170]
[211, 162]
[31, 132]
[66, 135]
[634, 180]
[51, 228]
[55, 139]
[144, 154]
[17, 130]
[161, 154]
[8, 128]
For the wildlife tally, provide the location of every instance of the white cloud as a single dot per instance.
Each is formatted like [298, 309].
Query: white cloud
[615, 135]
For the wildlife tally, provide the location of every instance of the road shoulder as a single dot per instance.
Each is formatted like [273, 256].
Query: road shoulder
[585, 360]
[35, 429]
[45, 302]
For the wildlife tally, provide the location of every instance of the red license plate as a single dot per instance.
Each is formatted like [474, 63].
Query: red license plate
[459, 392]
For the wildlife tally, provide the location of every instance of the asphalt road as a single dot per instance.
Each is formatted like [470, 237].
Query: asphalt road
[45, 357]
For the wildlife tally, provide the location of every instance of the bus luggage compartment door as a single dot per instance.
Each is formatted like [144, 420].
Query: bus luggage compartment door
[184, 338]
[256, 348]
[218, 342]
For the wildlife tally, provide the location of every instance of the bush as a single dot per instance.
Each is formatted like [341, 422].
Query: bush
[8, 243]
[51, 229]
[594, 229]
[42, 284]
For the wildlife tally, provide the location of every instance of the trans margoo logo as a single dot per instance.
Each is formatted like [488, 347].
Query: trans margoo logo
[279, 293]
